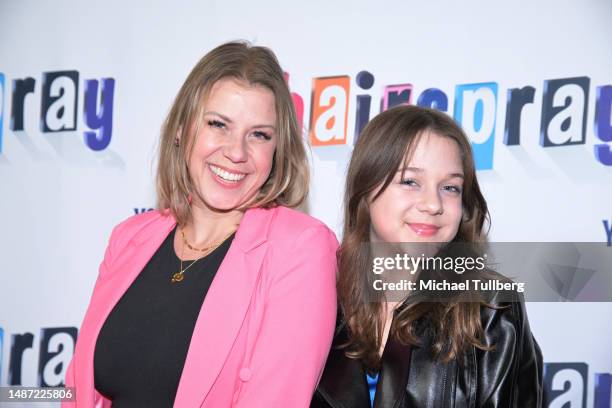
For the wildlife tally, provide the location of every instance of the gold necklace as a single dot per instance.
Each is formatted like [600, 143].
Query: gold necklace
[205, 249]
[178, 276]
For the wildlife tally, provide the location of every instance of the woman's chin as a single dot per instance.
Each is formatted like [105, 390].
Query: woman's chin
[218, 205]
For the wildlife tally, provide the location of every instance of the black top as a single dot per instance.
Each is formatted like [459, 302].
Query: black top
[142, 346]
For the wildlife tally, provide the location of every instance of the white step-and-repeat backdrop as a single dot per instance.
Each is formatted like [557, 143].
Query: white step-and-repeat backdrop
[84, 87]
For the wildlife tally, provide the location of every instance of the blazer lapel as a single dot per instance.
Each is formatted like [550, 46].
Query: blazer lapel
[343, 383]
[224, 308]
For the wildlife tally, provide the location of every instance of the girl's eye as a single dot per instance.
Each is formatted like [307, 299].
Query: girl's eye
[216, 124]
[453, 189]
[409, 182]
[262, 135]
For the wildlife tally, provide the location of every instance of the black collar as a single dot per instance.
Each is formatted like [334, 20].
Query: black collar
[343, 383]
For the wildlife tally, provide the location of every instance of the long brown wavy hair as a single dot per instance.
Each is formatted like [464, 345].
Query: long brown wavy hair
[377, 156]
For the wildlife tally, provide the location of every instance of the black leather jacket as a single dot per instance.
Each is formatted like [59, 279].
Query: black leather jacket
[508, 376]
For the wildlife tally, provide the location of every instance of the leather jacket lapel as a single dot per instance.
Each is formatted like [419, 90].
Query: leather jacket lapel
[343, 383]
[393, 378]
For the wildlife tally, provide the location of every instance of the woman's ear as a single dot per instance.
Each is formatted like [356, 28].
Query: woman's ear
[177, 138]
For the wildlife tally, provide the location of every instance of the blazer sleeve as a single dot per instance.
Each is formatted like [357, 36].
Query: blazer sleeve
[99, 400]
[298, 324]
[71, 375]
[511, 374]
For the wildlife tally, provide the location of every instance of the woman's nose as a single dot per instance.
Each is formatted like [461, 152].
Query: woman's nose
[236, 149]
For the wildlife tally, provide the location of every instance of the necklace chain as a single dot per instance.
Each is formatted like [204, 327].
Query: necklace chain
[178, 276]
[206, 248]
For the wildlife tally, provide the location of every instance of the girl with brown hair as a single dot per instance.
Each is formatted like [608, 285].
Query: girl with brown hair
[412, 179]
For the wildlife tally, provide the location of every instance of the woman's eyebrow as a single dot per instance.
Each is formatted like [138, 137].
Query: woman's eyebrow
[228, 120]
[225, 118]
[264, 126]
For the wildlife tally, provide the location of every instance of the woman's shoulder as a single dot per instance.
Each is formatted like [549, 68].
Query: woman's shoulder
[501, 295]
[285, 222]
[504, 316]
[133, 226]
[143, 218]
[138, 221]
[505, 306]
[294, 219]
[290, 234]
[300, 250]
[507, 331]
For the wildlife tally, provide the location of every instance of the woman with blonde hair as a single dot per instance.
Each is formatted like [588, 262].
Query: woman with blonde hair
[224, 295]
[412, 184]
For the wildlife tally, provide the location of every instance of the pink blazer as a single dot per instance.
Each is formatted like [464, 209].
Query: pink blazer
[265, 327]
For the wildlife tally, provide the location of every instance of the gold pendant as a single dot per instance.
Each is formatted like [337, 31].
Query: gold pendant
[177, 277]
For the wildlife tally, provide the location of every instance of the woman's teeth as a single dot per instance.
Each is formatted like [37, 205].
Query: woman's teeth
[226, 175]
